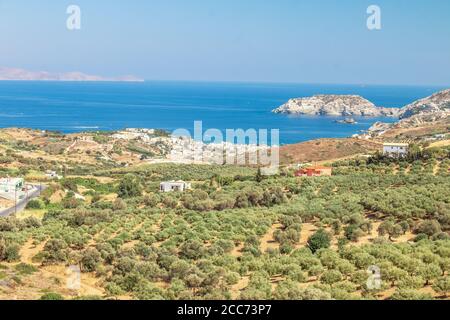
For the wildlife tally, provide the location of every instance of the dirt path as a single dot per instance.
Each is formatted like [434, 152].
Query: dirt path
[237, 250]
[308, 229]
[436, 168]
[29, 250]
[238, 287]
[395, 170]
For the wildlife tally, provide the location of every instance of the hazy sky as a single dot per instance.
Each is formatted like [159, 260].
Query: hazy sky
[316, 41]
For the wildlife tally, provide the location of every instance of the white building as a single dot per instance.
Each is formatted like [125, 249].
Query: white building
[11, 188]
[395, 149]
[171, 186]
[11, 184]
[52, 175]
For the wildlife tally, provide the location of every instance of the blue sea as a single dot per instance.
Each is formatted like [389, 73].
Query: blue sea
[90, 106]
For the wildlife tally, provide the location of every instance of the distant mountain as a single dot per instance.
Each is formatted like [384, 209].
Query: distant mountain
[15, 74]
[335, 105]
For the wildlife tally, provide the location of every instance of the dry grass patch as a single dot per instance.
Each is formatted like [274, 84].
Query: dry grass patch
[36, 213]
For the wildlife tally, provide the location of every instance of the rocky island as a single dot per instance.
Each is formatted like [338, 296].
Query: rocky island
[347, 121]
[336, 105]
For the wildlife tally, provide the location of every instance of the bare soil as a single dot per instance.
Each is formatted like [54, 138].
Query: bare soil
[327, 150]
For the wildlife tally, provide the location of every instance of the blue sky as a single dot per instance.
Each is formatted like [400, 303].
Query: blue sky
[320, 41]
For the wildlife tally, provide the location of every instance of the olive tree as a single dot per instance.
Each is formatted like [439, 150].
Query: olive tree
[320, 239]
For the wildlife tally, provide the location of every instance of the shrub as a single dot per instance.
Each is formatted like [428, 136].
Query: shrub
[2, 249]
[25, 269]
[90, 259]
[71, 203]
[420, 236]
[330, 277]
[319, 240]
[129, 187]
[35, 204]
[55, 251]
[52, 296]
[32, 222]
[70, 185]
[12, 253]
[429, 227]
[409, 294]
[119, 204]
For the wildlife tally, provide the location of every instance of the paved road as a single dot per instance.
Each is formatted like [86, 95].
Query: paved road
[21, 204]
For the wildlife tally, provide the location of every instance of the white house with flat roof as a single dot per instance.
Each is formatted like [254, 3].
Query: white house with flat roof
[10, 186]
[171, 186]
[395, 149]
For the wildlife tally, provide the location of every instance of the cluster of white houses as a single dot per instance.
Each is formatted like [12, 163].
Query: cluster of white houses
[188, 150]
[133, 133]
[397, 150]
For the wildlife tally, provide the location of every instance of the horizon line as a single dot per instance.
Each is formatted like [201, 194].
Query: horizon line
[231, 82]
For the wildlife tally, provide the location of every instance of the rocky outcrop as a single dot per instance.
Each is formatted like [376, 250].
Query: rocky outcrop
[336, 105]
[425, 112]
[432, 108]
[378, 127]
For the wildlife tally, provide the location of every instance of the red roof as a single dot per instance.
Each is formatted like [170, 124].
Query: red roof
[318, 168]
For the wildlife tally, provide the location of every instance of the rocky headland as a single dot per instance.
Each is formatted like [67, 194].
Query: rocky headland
[433, 109]
[336, 105]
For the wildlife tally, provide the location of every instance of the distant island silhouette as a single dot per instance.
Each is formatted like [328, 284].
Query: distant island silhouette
[17, 74]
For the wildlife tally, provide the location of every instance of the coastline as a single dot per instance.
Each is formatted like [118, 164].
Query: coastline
[73, 107]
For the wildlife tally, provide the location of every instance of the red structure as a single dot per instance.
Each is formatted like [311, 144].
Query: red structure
[316, 171]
